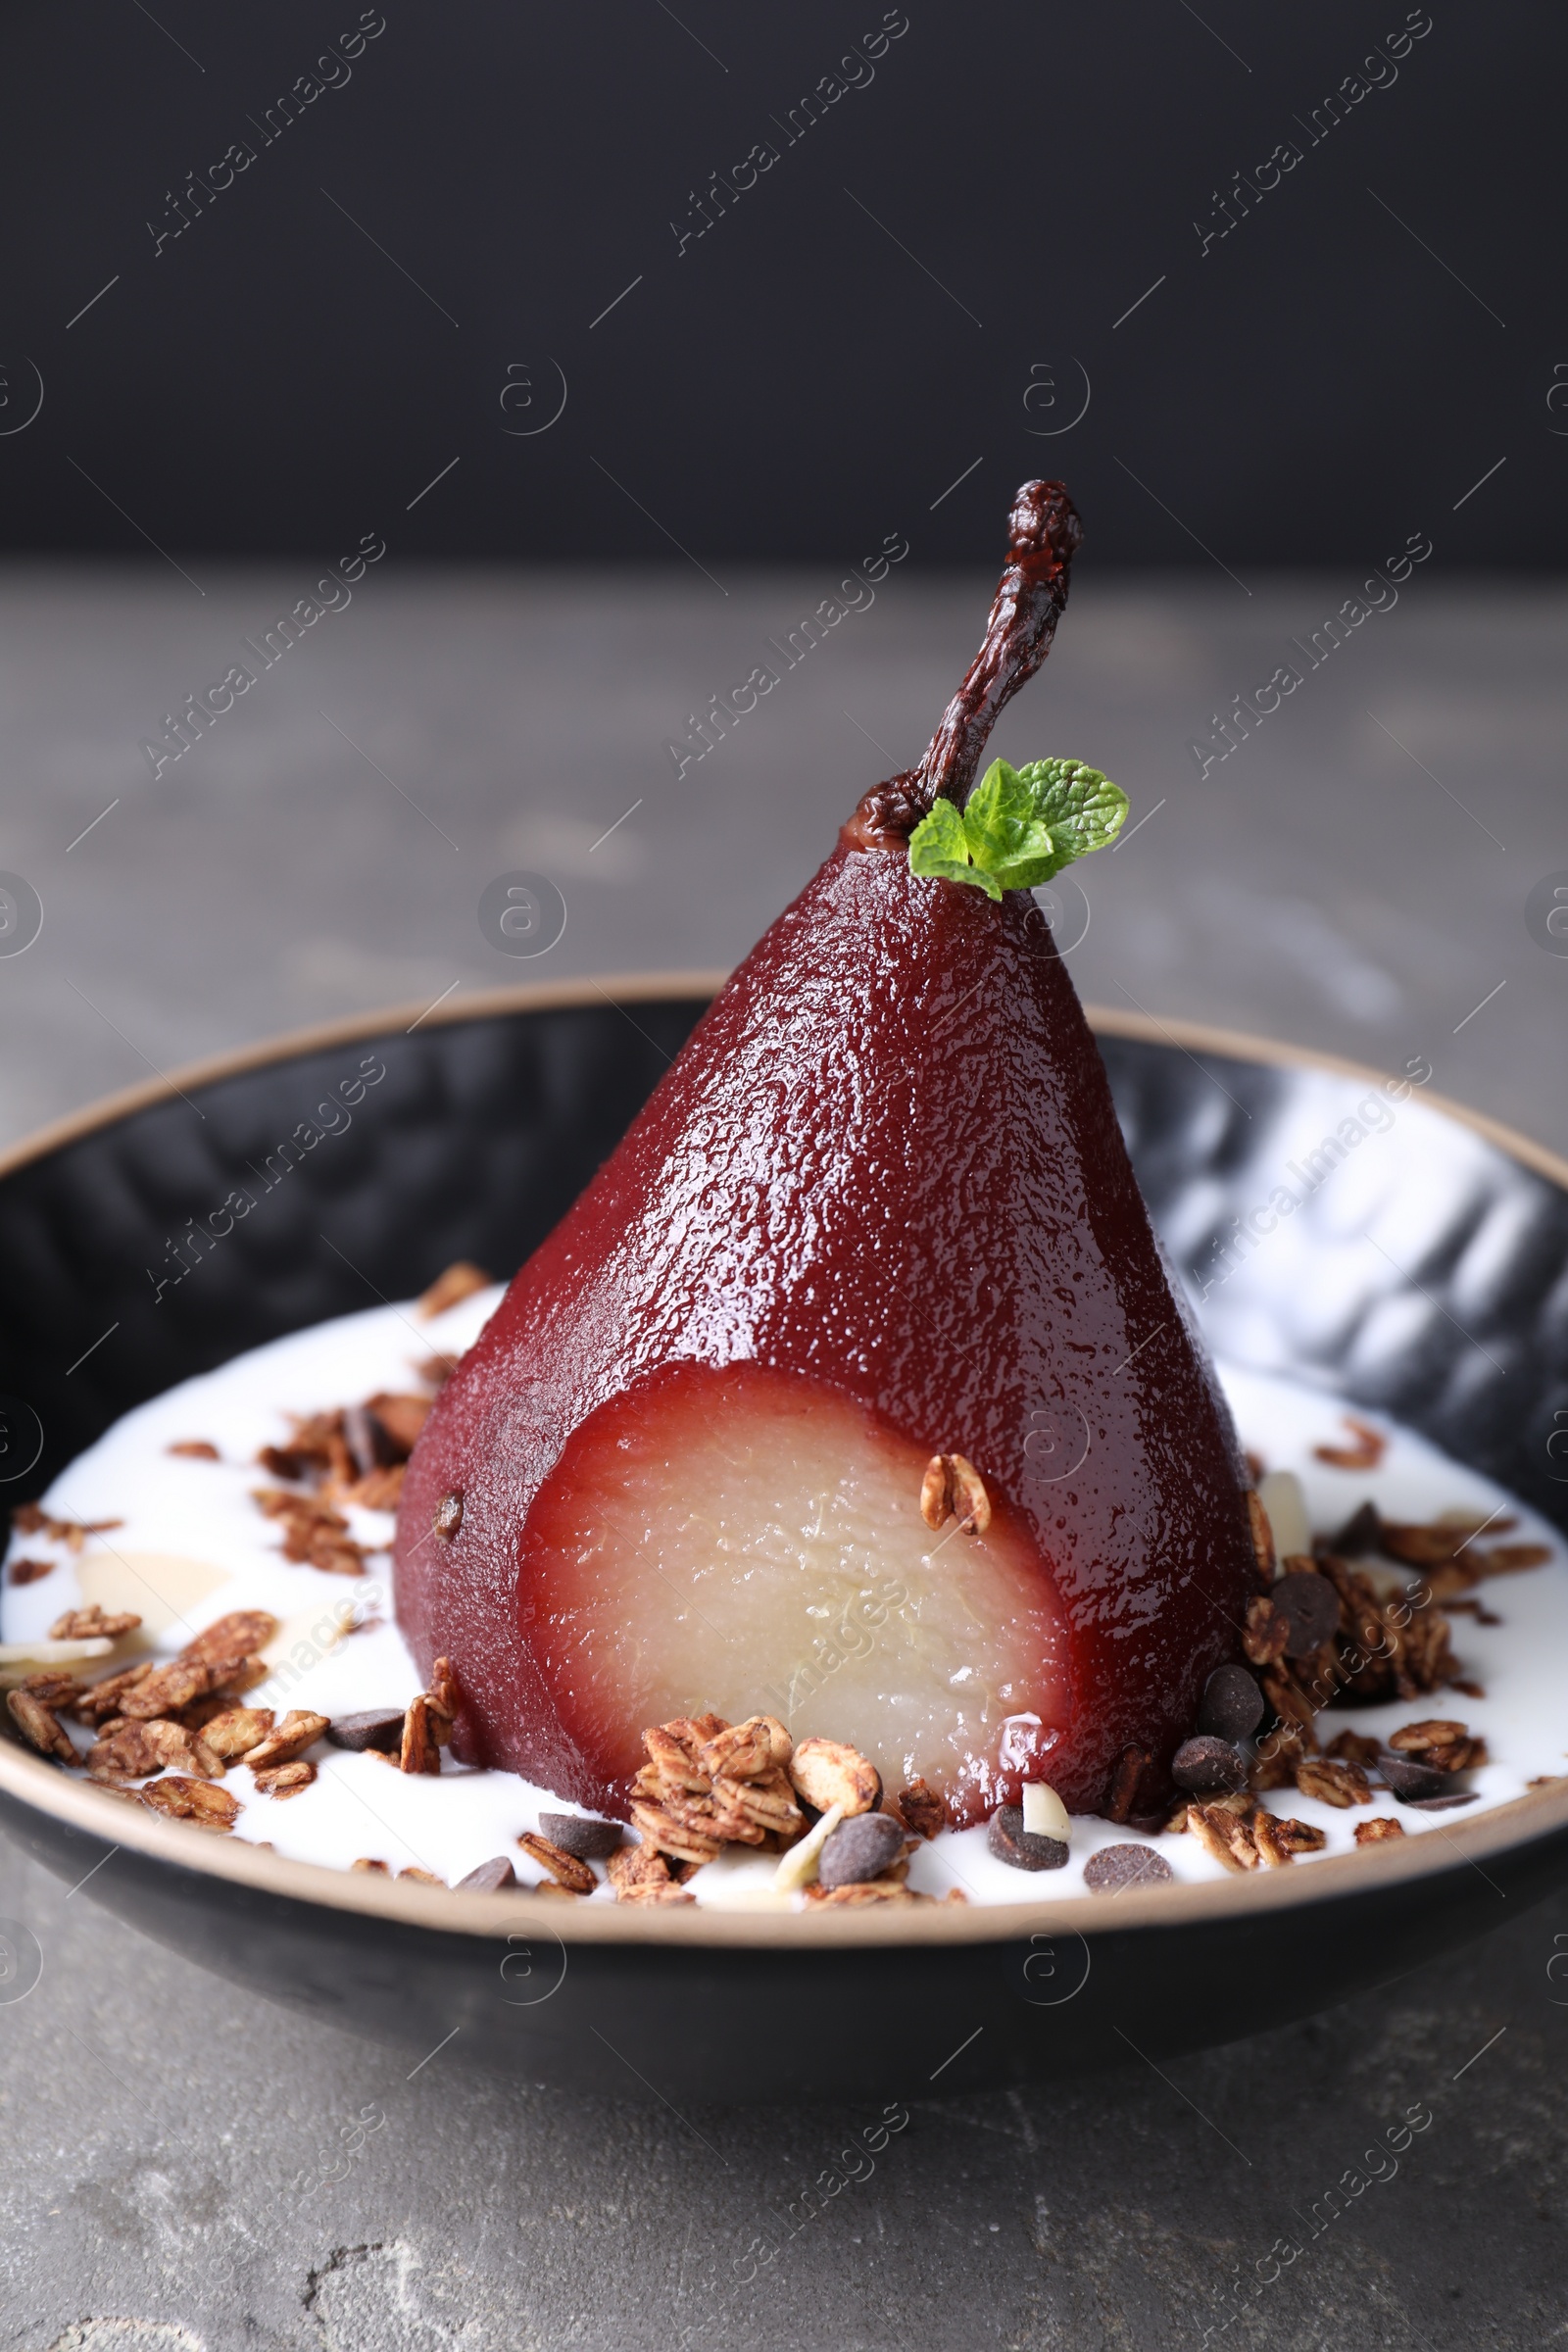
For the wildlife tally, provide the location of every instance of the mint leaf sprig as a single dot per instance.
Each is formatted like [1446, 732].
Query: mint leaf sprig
[1019, 826]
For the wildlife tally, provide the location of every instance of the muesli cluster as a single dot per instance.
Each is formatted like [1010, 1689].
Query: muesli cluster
[818, 1805]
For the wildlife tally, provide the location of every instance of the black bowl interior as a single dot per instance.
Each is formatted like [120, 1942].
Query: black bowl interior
[1424, 1270]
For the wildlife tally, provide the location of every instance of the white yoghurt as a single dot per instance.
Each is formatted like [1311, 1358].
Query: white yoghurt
[194, 1546]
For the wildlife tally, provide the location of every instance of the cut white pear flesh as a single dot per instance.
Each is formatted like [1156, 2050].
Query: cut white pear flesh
[747, 1541]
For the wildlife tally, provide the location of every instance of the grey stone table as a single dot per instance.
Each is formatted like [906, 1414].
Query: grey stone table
[1352, 875]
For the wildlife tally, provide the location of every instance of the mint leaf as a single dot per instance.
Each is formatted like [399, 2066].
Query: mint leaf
[1077, 803]
[939, 847]
[1020, 826]
[1003, 826]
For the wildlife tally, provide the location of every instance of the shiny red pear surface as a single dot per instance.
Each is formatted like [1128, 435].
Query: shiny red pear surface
[878, 1211]
[887, 1161]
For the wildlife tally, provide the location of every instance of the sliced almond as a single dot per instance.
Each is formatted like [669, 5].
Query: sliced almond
[800, 1866]
[1284, 1499]
[164, 1589]
[1044, 1813]
[21, 1659]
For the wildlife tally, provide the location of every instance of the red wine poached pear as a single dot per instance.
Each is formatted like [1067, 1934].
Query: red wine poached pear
[878, 1211]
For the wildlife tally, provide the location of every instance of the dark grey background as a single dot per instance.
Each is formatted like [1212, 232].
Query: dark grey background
[1379, 330]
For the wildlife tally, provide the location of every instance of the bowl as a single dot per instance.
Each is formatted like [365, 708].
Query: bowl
[489, 1119]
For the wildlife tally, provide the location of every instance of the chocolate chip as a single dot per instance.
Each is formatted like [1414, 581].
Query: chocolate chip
[489, 1878]
[1208, 1764]
[589, 1841]
[1231, 1704]
[1411, 1781]
[1361, 1533]
[376, 1727]
[862, 1849]
[1011, 1842]
[1117, 1866]
[448, 1516]
[1436, 1804]
[1311, 1609]
[371, 1445]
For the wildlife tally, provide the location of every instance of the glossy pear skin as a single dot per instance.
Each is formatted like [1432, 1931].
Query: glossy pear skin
[887, 1158]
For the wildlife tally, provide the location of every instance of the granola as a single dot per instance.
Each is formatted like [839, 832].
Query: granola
[419, 1751]
[233, 1733]
[314, 1532]
[565, 1869]
[1366, 1451]
[288, 1739]
[240, 1635]
[31, 1519]
[1263, 1532]
[1440, 1744]
[1333, 1782]
[1380, 1827]
[459, 1281]
[93, 1623]
[921, 1809]
[862, 1892]
[1224, 1834]
[640, 1874]
[129, 1749]
[195, 1802]
[39, 1726]
[827, 1772]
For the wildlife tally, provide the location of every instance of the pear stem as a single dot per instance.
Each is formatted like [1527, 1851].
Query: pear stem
[1044, 534]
